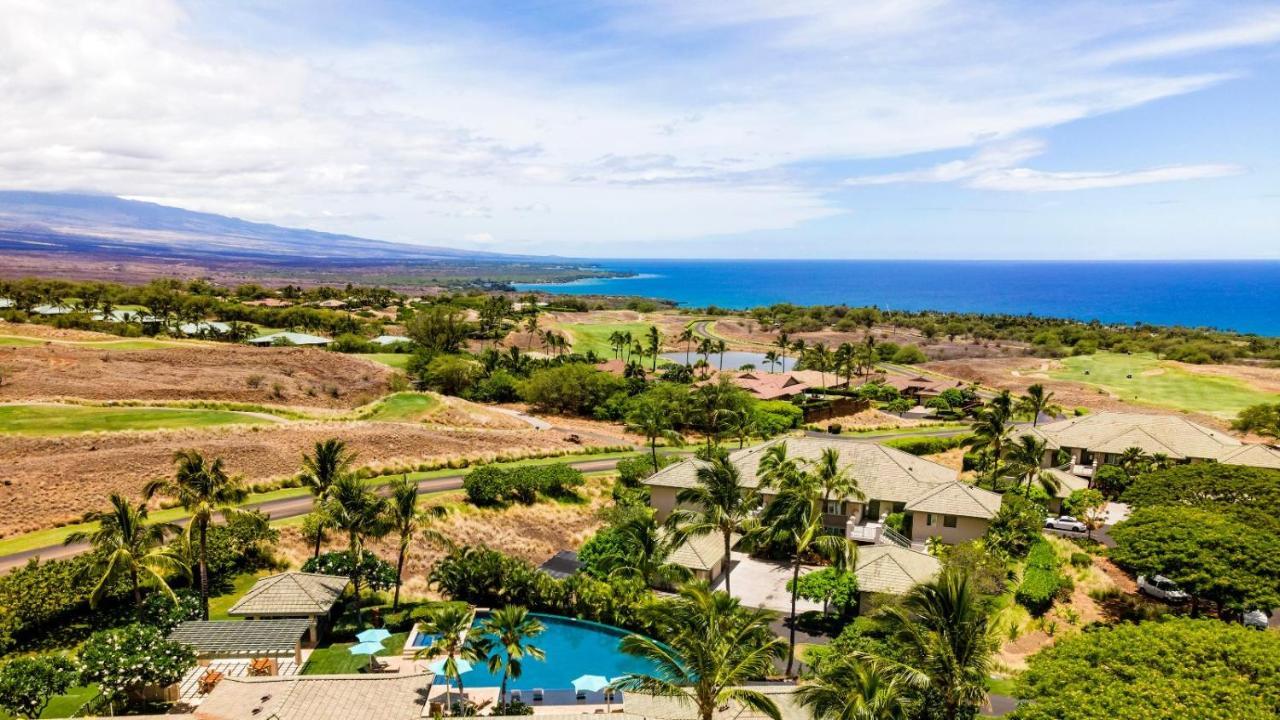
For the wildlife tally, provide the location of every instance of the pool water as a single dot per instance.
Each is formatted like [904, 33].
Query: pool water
[573, 648]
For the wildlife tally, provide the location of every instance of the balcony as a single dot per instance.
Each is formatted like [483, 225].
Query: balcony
[876, 534]
[1082, 470]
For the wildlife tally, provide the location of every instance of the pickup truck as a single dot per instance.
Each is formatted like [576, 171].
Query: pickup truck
[1065, 522]
[1162, 588]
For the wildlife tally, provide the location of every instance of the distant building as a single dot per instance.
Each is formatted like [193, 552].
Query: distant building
[332, 304]
[291, 338]
[390, 340]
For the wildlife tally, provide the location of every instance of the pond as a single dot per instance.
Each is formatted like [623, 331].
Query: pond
[735, 359]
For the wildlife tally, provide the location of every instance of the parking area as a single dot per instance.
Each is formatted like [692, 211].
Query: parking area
[763, 584]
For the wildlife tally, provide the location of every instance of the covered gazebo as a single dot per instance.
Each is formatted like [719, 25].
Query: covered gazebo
[293, 595]
[214, 640]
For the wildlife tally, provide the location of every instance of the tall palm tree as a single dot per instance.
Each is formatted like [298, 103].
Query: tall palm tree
[127, 546]
[784, 343]
[655, 420]
[771, 357]
[204, 490]
[654, 340]
[846, 689]
[328, 461]
[531, 327]
[1037, 402]
[946, 632]
[794, 521]
[360, 513]
[714, 647]
[511, 628]
[687, 336]
[721, 347]
[1025, 456]
[705, 348]
[450, 625]
[835, 480]
[990, 433]
[406, 521]
[723, 503]
[652, 545]
[776, 470]
[1133, 460]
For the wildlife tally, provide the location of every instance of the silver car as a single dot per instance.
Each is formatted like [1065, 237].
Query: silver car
[1065, 522]
[1162, 588]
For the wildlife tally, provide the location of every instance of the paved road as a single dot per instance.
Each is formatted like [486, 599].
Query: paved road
[278, 510]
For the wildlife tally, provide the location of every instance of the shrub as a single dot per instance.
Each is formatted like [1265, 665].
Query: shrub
[27, 684]
[557, 479]
[1041, 581]
[574, 389]
[451, 374]
[834, 428]
[486, 485]
[1081, 560]
[778, 415]
[375, 573]
[909, 355]
[500, 387]
[159, 610]
[925, 445]
[128, 659]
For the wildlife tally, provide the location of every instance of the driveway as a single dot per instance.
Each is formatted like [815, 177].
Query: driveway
[763, 584]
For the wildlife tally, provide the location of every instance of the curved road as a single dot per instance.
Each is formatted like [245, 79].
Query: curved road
[278, 510]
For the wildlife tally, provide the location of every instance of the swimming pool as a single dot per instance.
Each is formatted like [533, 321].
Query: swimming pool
[573, 648]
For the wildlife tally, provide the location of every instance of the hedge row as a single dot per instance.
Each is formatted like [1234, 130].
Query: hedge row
[926, 445]
[493, 485]
[1042, 580]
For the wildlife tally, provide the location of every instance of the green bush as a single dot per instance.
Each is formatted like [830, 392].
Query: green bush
[909, 355]
[573, 389]
[1041, 581]
[925, 445]
[130, 658]
[486, 485]
[779, 415]
[1081, 560]
[375, 573]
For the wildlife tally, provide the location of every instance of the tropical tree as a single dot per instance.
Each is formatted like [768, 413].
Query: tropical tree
[407, 520]
[1025, 456]
[714, 406]
[531, 327]
[1134, 461]
[990, 433]
[947, 642]
[723, 503]
[360, 513]
[1037, 402]
[687, 336]
[1262, 419]
[511, 628]
[714, 648]
[784, 343]
[27, 684]
[721, 347]
[654, 417]
[126, 546]
[654, 343]
[651, 546]
[450, 626]
[847, 689]
[205, 491]
[794, 521]
[771, 357]
[328, 461]
[833, 479]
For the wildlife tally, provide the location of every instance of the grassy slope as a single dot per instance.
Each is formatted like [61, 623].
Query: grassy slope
[403, 407]
[398, 361]
[1161, 383]
[122, 344]
[55, 536]
[63, 419]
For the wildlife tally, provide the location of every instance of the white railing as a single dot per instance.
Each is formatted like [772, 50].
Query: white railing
[869, 533]
[1082, 470]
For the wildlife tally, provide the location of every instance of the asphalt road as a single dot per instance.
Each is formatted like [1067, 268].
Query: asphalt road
[281, 509]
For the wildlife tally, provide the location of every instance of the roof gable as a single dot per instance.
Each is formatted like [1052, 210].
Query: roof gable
[291, 594]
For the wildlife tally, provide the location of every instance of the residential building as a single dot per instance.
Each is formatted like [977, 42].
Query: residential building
[932, 498]
[293, 595]
[288, 338]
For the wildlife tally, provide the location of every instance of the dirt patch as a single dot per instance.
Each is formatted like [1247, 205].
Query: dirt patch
[953, 458]
[211, 371]
[533, 533]
[46, 332]
[456, 412]
[1263, 378]
[870, 419]
[45, 481]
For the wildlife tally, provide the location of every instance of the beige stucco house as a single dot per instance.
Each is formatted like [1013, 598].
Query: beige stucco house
[935, 502]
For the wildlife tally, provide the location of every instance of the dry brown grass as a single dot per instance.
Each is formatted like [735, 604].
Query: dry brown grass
[533, 532]
[46, 332]
[46, 481]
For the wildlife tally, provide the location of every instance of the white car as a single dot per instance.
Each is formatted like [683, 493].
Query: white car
[1256, 619]
[1065, 522]
[1162, 588]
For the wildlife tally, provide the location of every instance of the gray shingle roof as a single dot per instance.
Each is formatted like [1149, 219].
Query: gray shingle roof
[893, 569]
[701, 552]
[1108, 431]
[277, 636]
[293, 337]
[957, 498]
[291, 594]
[318, 697]
[1253, 456]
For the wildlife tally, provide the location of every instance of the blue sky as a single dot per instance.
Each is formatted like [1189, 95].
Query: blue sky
[674, 128]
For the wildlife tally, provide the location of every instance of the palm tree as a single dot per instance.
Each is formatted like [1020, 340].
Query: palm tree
[1037, 402]
[655, 344]
[652, 545]
[771, 357]
[449, 624]
[654, 419]
[723, 505]
[794, 520]
[126, 545]
[1025, 456]
[359, 513]
[784, 343]
[320, 470]
[947, 635]
[510, 628]
[776, 469]
[531, 327]
[714, 647]
[834, 479]
[1132, 460]
[687, 336]
[846, 689]
[990, 433]
[406, 521]
[204, 490]
[721, 347]
[743, 425]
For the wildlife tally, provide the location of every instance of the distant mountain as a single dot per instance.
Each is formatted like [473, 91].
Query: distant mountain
[106, 226]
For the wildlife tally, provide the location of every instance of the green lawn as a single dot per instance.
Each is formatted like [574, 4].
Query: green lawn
[220, 604]
[65, 419]
[590, 336]
[15, 341]
[56, 536]
[337, 660]
[65, 705]
[398, 361]
[122, 344]
[1146, 379]
[403, 407]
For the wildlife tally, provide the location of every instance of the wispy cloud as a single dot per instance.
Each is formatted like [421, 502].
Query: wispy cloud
[1260, 28]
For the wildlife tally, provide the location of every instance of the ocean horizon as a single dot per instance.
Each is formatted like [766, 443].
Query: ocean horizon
[1241, 295]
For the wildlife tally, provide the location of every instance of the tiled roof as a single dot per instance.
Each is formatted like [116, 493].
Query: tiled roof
[768, 386]
[225, 638]
[317, 697]
[957, 498]
[882, 472]
[562, 564]
[1067, 482]
[1179, 437]
[291, 594]
[1252, 455]
[658, 707]
[701, 552]
[893, 569]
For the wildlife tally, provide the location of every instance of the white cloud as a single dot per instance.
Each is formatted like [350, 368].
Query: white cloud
[996, 167]
[1260, 29]
[485, 137]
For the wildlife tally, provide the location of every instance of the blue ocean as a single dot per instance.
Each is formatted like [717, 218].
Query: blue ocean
[1234, 295]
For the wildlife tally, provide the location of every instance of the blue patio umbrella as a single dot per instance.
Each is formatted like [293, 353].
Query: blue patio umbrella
[590, 683]
[373, 635]
[437, 666]
[366, 648]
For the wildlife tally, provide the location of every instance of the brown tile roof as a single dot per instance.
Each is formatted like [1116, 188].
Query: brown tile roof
[893, 569]
[957, 498]
[770, 386]
[318, 697]
[1253, 455]
[291, 594]
[1109, 431]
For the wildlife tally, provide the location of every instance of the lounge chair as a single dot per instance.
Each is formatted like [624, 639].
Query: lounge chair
[208, 681]
[538, 694]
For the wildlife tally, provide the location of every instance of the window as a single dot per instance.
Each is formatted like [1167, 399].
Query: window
[833, 507]
[928, 519]
[949, 521]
